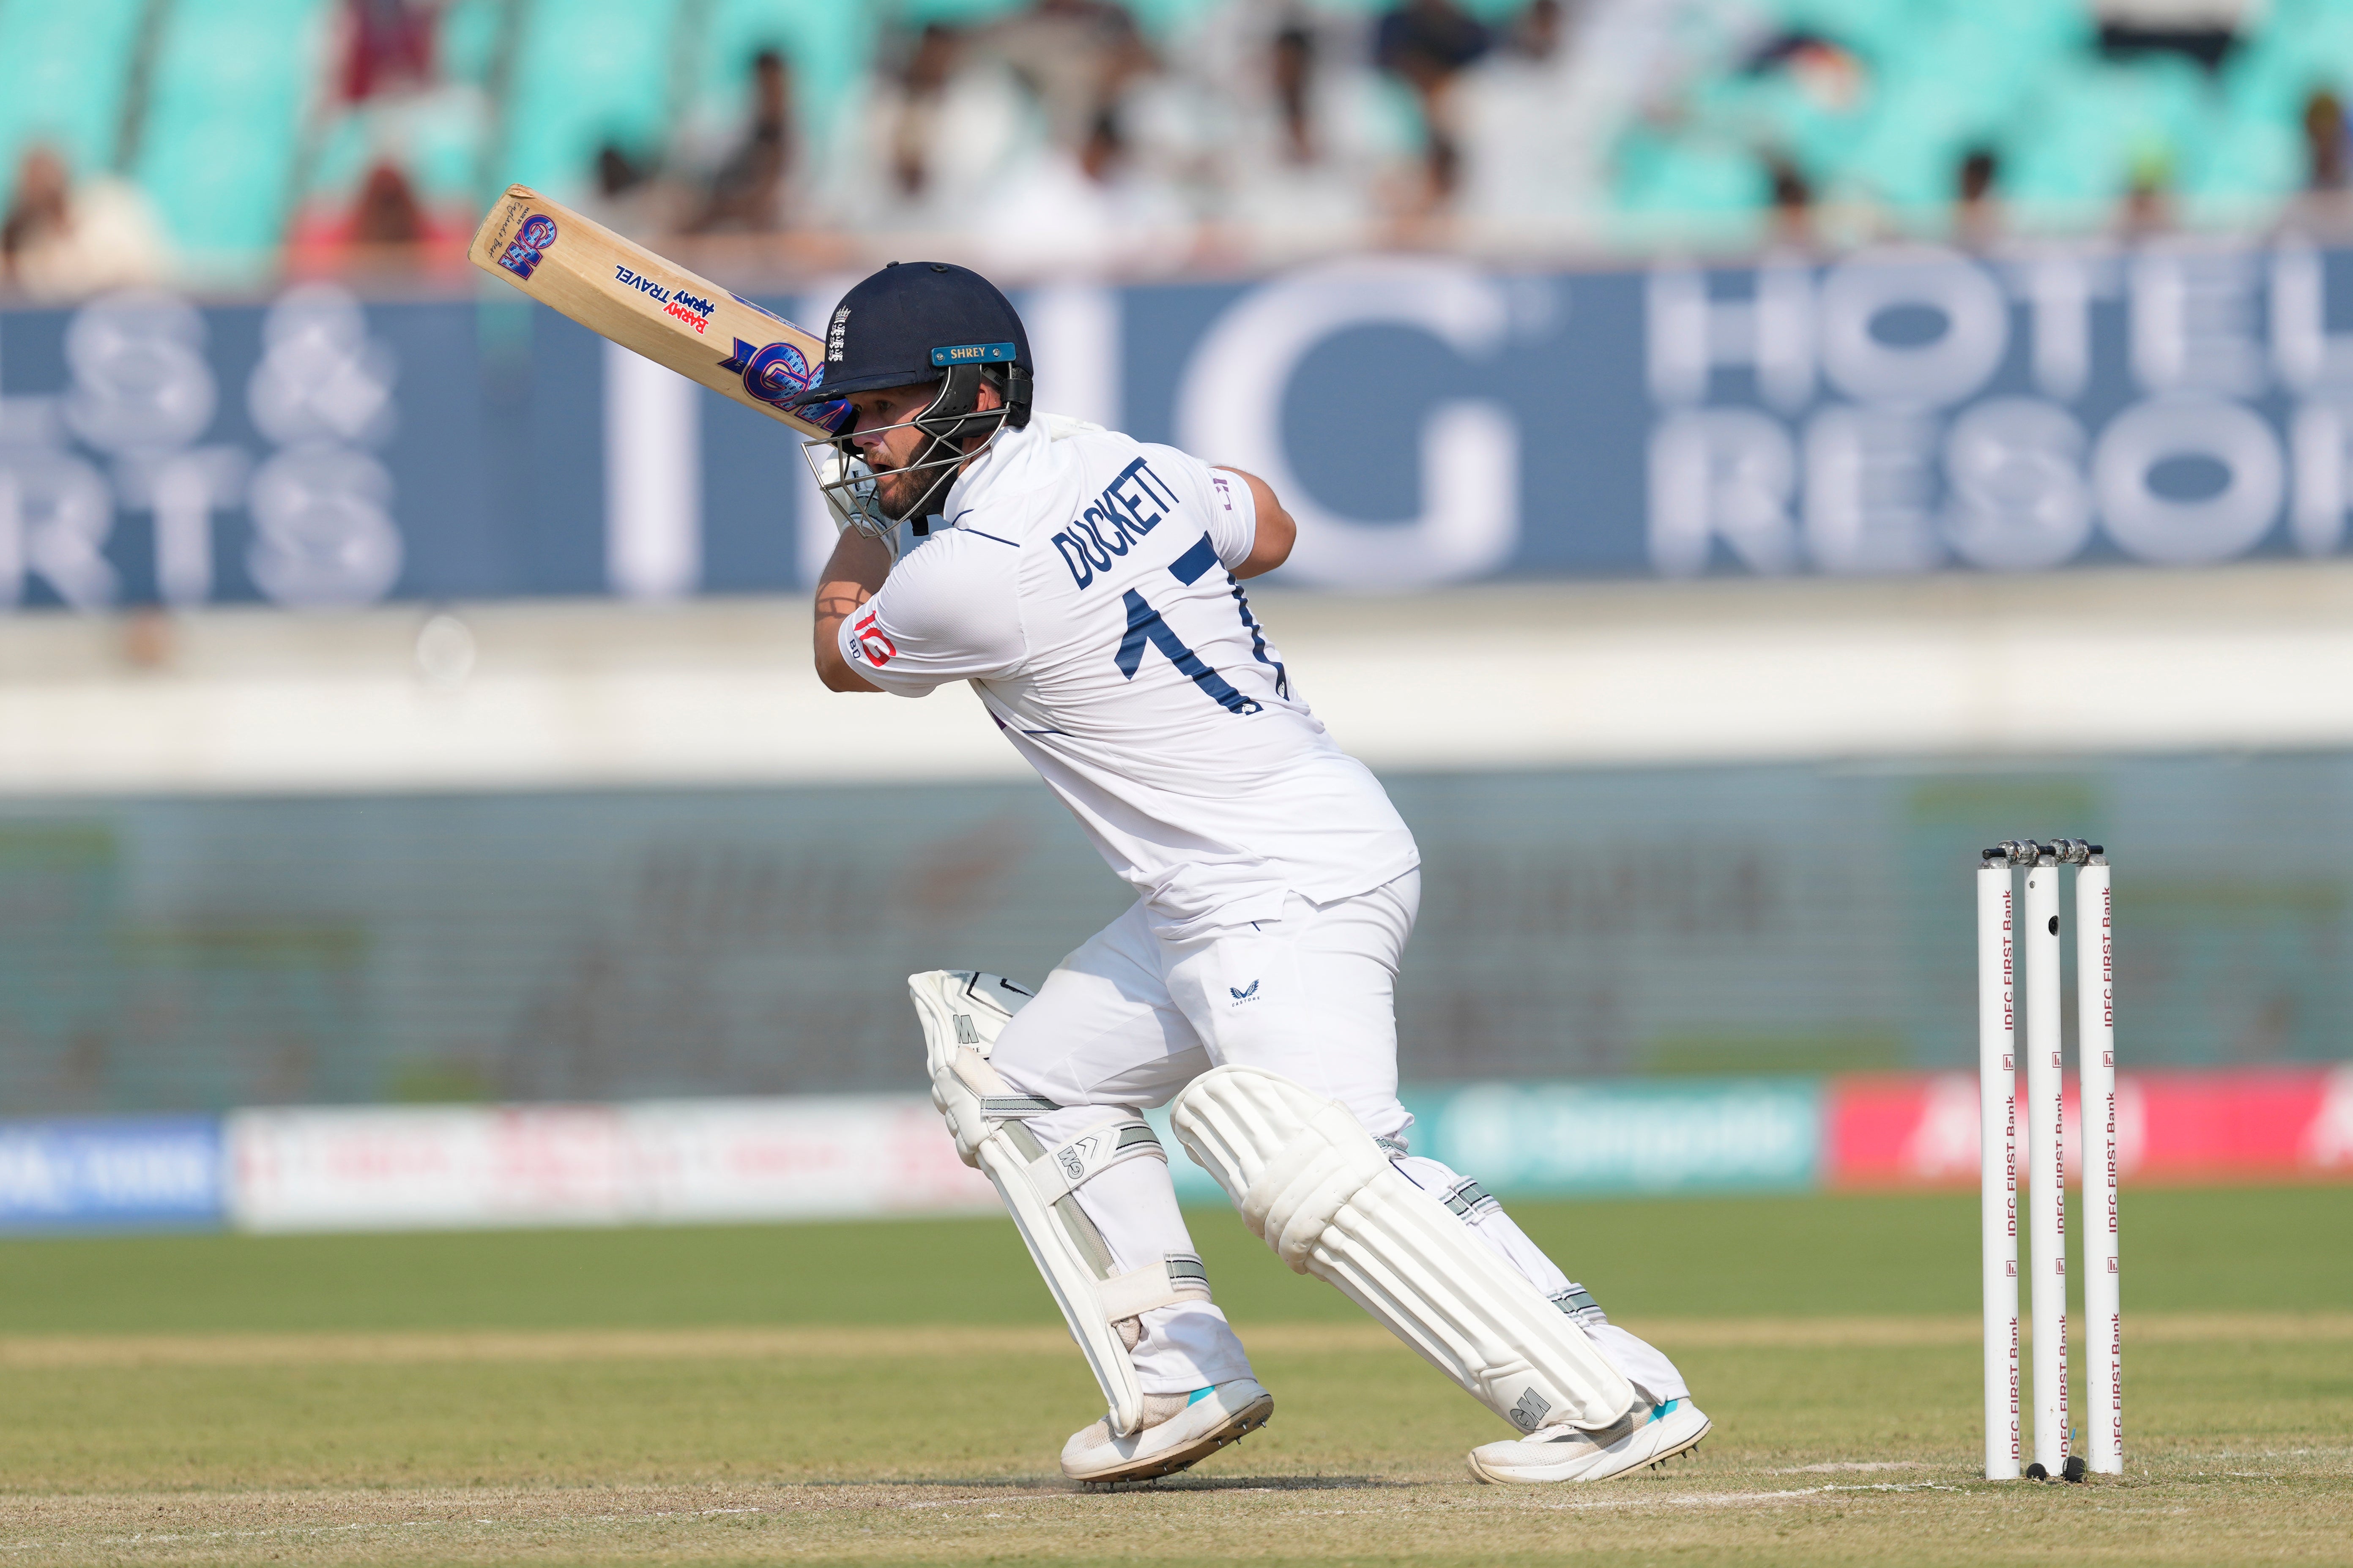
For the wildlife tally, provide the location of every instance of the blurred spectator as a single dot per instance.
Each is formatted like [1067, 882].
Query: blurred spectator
[934, 133]
[923, 86]
[746, 193]
[2324, 142]
[387, 47]
[2149, 196]
[1532, 134]
[60, 242]
[387, 213]
[40, 213]
[1305, 135]
[1793, 204]
[1075, 56]
[1830, 76]
[1085, 214]
[1536, 33]
[628, 195]
[385, 229]
[1976, 211]
[1426, 43]
[1291, 64]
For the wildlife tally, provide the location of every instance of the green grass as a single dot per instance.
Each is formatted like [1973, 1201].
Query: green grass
[2273, 1248]
[2240, 1436]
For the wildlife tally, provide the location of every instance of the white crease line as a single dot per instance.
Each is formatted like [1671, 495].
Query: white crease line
[1726, 1499]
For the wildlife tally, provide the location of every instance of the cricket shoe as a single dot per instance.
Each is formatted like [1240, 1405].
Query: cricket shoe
[1645, 1435]
[1179, 1430]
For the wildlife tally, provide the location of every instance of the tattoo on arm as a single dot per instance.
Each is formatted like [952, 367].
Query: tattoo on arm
[852, 577]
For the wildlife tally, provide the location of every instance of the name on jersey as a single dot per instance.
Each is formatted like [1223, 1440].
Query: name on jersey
[1117, 519]
[691, 308]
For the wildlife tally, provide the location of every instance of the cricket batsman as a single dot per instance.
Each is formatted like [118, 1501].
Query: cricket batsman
[1090, 588]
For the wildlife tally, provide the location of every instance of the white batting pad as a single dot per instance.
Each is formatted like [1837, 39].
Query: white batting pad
[962, 1013]
[1314, 1186]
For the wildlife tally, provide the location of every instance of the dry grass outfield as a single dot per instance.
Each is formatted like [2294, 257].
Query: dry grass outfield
[2269, 1510]
[607, 1397]
[1839, 1441]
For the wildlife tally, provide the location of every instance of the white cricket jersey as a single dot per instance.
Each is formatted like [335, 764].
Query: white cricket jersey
[1081, 585]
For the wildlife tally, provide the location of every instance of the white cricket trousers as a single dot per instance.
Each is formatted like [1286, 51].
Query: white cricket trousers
[1136, 1014]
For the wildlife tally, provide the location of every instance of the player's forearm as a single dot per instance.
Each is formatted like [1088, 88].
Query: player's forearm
[852, 576]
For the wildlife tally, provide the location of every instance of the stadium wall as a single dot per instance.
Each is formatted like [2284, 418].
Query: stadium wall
[736, 1160]
[197, 953]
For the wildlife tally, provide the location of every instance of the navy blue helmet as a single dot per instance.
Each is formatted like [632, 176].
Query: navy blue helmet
[919, 323]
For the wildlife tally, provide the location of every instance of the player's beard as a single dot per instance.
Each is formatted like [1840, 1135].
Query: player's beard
[898, 489]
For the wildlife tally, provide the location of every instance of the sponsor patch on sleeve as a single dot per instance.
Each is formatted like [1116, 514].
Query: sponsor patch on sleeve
[868, 643]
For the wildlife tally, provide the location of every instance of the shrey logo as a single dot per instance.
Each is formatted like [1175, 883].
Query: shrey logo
[531, 242]
[771, 374]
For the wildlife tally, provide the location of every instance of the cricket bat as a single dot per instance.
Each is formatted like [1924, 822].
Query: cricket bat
[619, 289]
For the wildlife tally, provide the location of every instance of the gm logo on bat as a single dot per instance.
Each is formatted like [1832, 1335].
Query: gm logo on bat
[531, 242]
[770, 374]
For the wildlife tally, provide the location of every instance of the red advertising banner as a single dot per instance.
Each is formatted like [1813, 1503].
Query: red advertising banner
[2239, 1124]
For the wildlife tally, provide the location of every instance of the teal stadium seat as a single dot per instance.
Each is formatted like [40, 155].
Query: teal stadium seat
[466, 40]
[63, 72]
[954, 13]
[2025, 77]
[588, 71]
[2094, 124]
[1949, 89]
[1665, 181]
[2299, 47]
[233, 80]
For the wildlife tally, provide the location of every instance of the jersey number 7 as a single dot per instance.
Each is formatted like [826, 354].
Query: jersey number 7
[1145, 625]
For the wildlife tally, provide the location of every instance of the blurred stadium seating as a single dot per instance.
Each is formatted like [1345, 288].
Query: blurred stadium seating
[1651, 122]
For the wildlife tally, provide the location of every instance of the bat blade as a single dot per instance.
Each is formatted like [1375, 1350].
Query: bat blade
[619, 289]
